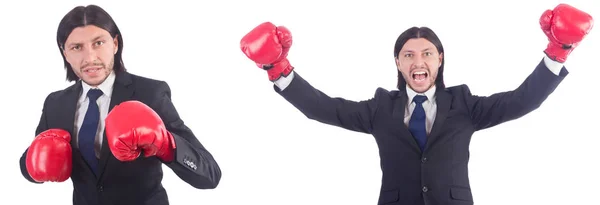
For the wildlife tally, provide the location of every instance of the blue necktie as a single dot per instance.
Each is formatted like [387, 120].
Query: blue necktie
[87, 133]
[417, 121]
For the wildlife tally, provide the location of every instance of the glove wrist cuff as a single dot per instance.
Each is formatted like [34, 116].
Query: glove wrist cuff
[558, 52]
[279, 69]
[167, 152]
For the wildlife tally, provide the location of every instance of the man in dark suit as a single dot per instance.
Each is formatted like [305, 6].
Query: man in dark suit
[423, 129]
[102, 157]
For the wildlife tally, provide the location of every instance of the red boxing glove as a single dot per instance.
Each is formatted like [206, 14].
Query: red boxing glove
[268, 45]
[565, 27]
[49, 157]
[133, 127]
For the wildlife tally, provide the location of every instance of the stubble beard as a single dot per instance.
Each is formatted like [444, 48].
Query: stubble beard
[107, 70]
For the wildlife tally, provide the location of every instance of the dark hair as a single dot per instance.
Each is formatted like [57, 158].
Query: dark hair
[83, 16]
[420, 32]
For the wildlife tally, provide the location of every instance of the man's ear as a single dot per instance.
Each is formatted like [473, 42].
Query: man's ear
[116, 43]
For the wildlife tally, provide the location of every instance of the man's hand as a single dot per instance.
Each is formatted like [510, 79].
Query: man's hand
[49, 157]
[565, 27]
[132, 128]
[268, 45]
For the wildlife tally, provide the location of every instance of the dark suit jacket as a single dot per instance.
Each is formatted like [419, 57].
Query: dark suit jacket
[139, 181]
[438, 175]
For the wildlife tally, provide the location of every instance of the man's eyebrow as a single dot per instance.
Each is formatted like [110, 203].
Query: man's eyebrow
[98, 37]
[79, 43]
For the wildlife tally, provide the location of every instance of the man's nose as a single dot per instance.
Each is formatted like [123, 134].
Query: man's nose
[418, 61]
[89, 55]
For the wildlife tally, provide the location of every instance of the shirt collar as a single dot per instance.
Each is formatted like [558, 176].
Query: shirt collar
[105, 87]
[429, 93]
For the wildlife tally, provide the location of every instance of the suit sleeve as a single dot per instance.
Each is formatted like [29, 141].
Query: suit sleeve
[489, 111]
[193, 163]
[42, 126]
[336, 111]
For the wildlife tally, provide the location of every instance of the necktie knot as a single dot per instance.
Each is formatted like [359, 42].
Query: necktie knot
[419, 99]
[94, 94]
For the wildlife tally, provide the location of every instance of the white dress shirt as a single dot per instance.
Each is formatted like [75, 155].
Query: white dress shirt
[103, 104]
[430, 104]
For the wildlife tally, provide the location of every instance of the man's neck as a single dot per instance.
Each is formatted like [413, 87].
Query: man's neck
[430, 93]
[430, 89]
[106, 85]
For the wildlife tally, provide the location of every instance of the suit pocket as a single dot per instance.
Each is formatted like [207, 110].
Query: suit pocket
[463, 194]
[387, 197]
[158, 198]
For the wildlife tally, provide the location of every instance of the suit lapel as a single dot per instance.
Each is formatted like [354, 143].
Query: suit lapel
[122, 91]
[67, 111]
[398, 117]
[69, 107]
[443, 101]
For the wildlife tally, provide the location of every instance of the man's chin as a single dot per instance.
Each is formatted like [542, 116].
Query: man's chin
[420, 88]
[94, 81]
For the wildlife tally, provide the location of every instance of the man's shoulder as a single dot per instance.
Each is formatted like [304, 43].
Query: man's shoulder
[61, 94]
[458, 88]
[460, 91]
[383, 94]
[149, 89]
[143, 82]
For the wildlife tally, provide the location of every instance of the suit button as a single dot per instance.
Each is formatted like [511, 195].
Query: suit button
[100, 188]
[424, 159]
[425, 189]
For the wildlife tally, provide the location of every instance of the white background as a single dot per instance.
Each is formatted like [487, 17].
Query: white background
[272, 154]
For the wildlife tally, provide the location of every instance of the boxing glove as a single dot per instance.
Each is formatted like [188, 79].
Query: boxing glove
[49, 157]
[132, 128]
[565, 26]
[268, 45]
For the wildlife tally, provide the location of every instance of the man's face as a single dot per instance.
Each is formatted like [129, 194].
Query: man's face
[90, 50]
[419, 62]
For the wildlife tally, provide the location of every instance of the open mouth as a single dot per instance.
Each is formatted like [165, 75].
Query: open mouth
[92, 70]
[419, 76]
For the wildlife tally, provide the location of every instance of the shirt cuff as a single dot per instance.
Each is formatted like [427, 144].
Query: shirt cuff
[553, 66]
[283, 82]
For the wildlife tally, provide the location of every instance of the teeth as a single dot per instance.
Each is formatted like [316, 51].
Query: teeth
[419, 73]
[92, 70]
